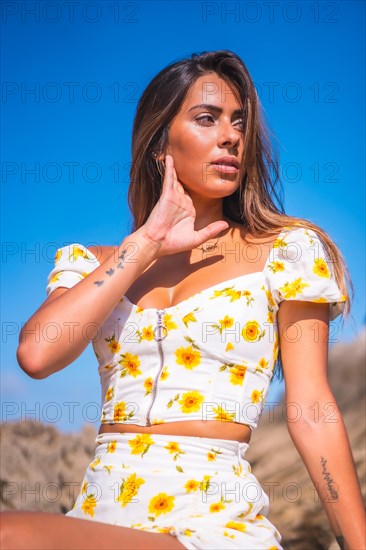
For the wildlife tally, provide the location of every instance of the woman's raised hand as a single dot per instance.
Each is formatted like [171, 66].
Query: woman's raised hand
[171, 222]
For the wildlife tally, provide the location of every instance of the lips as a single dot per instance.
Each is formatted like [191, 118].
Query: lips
[226, 161]
[226, 168]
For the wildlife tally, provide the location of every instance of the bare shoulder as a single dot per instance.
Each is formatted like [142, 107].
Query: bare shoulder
[102, 252]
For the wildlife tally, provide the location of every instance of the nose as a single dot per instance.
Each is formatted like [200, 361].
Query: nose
[228, 135]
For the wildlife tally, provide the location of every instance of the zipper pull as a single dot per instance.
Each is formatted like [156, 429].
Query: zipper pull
[160, 327]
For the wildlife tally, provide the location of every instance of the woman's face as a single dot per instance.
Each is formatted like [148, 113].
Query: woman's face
[208, 126]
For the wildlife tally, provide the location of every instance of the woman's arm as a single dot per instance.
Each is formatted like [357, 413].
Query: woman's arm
[320, 435]
[169, 229]
[87, 304]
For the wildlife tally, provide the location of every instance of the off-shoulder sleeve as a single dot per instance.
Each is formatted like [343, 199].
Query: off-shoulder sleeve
[72, 264]
[299, 269]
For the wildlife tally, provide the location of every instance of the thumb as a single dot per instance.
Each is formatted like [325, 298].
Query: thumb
[209, 232]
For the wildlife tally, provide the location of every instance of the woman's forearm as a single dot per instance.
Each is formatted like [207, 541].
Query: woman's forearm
[87, 304]
[330, 464]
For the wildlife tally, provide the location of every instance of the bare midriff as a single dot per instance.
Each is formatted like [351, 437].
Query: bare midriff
[214, 429]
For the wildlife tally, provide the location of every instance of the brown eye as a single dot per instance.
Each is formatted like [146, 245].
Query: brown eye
[205, 117]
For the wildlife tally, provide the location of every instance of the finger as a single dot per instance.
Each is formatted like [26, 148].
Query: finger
[169, 172]
[210, 231]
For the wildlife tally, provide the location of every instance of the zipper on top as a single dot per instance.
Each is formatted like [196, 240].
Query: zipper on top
[160, 332]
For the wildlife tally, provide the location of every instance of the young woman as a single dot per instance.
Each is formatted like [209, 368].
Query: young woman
[189, 316]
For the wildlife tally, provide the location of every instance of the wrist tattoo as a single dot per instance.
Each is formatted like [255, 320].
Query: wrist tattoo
[111, 271]
[331, 485]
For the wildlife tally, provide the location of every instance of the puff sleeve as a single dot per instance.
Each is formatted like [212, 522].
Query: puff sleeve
[72, 264]
[301, 270]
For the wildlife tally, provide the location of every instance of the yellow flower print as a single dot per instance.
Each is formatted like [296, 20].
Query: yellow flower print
[84, 487]
[275, 347]
[226, 322]
[234, 294]
[113, 345]
[248, 295]
[262, 364]
[237, 375]
[321, 268]
[148, 384]
[280, 243]
[157, 421]
[257, 396]
[146, 334]
[173, 448]
[188, 357]
[95, 463]
[78, 252]
[161, 504]
[276, 266]
[139, 309]
[222, 415]
[238, 526]
[119, 412]
[55, 278]
[108, 468]
[58, 255]
[164, 530]
[141, 444]
[291, 290]
[189, 318]
[192, 485]
[191, 401]
[164, 374]
[229, 346]
[270, 317]
[205, 483]
[112, 446]
[216, 507]
[269, 295]
[228, 292]
[238, 470]
[252, 331]
[130, 364]
[211, 455]
[129, 489]
[88, 505]
[168, 323]
[109, 394]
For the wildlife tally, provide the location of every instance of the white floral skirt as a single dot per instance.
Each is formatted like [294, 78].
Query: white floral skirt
[200, 490]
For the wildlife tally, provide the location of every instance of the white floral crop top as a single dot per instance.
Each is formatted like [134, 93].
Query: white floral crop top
[210, 357]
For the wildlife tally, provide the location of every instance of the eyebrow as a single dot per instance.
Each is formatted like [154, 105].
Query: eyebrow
[213, 108]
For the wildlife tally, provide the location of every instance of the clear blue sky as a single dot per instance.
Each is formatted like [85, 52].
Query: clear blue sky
[87, 70]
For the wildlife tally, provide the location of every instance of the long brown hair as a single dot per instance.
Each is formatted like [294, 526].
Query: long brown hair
[257, 202]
